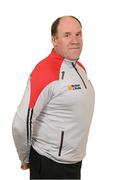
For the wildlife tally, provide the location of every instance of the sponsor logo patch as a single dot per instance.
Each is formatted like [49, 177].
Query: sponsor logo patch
[71, 87]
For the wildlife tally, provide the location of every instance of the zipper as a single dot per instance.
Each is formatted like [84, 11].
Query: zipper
[29, 124]
[61, 143]
[79, 75]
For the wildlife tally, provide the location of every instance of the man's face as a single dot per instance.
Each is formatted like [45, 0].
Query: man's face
[68, 41]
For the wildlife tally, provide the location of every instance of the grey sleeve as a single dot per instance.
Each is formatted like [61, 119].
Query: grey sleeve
[19, 126]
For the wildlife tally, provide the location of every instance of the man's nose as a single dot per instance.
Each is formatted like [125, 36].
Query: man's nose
[74, 39]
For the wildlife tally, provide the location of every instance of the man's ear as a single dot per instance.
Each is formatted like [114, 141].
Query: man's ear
[54, 40]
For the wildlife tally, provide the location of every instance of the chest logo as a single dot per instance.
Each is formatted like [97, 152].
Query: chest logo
[72, 87]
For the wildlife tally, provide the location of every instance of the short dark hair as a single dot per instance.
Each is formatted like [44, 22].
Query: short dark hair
[56, 23]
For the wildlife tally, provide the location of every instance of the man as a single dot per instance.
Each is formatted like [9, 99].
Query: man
[52, 122]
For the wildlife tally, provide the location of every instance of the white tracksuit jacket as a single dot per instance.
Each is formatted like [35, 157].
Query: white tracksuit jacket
[56, 110]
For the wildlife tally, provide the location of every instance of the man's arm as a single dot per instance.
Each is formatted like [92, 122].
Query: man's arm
[37, 95]
[19, 126]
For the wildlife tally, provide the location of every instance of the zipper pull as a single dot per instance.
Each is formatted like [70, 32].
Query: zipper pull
[63, 73]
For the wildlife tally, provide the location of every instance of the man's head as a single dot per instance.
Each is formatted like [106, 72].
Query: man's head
[66, 35]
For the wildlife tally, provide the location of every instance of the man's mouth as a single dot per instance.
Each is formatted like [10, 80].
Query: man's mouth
[74, 48]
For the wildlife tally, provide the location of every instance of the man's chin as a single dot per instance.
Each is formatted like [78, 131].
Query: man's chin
[73, 58]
